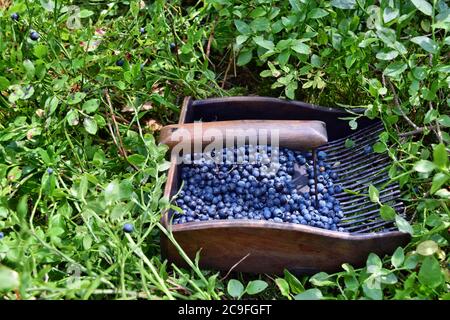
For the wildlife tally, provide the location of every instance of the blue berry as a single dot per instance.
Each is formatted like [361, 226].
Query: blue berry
[2, 235]
[249, 190]
[321, 155]
[34, 35]
[15, 16]
[368, 149]
[49, 170]
[128, 228]
[120, 62]
[267, 214]
[142, 30]
[173, 46]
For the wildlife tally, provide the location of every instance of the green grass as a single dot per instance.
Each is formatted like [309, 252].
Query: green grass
[95, 125]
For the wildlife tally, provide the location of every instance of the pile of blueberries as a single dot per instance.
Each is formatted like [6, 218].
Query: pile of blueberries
[259, 183]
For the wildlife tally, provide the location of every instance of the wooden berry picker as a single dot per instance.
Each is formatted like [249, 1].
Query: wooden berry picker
[300, 205]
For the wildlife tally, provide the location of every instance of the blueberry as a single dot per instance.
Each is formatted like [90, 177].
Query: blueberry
[120, 62]
[128, 228]
[173, 46]
[2, 235]
[142, 30]
[49, 170]
[34, 35]
[321, 155]
[15, 16]
[267, 214]
[338, 188]
[368, 149]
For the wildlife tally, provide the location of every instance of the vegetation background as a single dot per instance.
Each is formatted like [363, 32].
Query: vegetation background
[83, 99]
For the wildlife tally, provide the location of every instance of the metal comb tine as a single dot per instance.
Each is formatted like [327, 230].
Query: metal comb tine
[357, 170]
[350, 174]
[354, 136]
[357, 207]
[357, 149]
[345, 168]
[352, 200]
[374, 226]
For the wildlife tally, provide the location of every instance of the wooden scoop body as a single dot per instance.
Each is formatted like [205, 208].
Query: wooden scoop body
[293, 134]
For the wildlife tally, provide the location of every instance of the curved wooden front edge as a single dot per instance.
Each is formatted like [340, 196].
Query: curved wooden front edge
[272, 247]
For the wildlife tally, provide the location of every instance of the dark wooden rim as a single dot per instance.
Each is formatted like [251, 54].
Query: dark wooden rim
[258, 224]
[275, 100]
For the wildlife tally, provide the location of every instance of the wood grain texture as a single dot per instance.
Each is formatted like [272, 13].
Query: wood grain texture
[294, 134]
[272, 247]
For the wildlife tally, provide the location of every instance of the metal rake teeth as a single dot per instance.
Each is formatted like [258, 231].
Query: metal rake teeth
[356, 170]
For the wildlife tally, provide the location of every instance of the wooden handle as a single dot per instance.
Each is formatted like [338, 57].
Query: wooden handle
[294, 134]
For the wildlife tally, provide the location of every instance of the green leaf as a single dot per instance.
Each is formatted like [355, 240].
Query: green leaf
[9, 279]
[295, 285]
[260, 24]
[395, 69]
[266, 44]
[244, 57]
[321, 279]
[40, 51]
[403, 225]
[430, 273]
[424, 166]
[411, 262]
[390, 14]
[427, 248]
[398, 257]
[317, 13]
[4, 83]
[75, 98]
[290, 90]
[310, 294]
[374, 195]
[240, 39]
[387, 213]
[112, 192]
[349, 143]
[119, 211]
[373, 263]
[84, 13]
[344, 4]
[390, 55]
[29, 68]
[444, 120]
[372, 292]
[72, 117]
[440, 156]
[235, 288]
[90, 106]
[136, 159]
[423, 6]
[48, 5]
[438, 181]
[256, 286]
[242, 27]
[426, 44]
[90, 125]
[300, 47]
[443, 193]
[83, 187]
[379, 147]
[283, 286]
